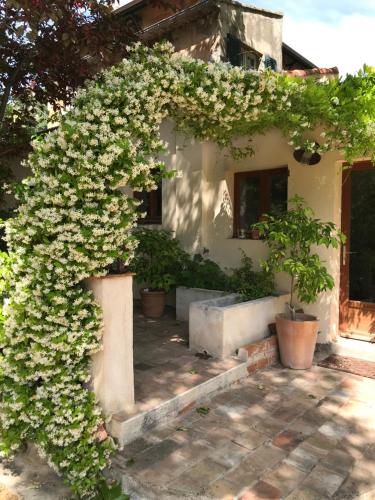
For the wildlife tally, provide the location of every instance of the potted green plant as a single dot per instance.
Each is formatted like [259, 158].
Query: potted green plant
[156, 263]
[292, 238]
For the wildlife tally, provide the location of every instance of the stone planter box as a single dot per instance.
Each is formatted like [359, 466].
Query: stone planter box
[222, 325]
[185, 296]
[112, 373]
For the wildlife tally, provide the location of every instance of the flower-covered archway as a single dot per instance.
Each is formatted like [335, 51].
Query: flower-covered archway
[73, 221]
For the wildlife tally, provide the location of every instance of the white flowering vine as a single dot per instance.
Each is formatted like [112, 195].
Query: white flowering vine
[73, 221]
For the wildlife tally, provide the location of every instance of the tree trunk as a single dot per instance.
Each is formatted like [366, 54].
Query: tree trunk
[6, 95]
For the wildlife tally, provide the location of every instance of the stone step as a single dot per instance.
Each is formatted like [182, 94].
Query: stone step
[359, 349]
[126, 428]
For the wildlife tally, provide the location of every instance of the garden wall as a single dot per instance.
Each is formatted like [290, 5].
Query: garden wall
[186, 296]
[222, 325]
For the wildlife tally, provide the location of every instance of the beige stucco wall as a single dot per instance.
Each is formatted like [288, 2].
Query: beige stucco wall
[205, 37]
[259, 29]
[198, 204]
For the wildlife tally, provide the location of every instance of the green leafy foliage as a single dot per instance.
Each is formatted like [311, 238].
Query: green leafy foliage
[249, 283]
[199, 271]
[158, 259]
[111, 492]
[203, 411]
[292, 238]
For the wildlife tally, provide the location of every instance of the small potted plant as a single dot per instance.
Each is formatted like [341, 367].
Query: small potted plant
[291, 238]
[157, 260]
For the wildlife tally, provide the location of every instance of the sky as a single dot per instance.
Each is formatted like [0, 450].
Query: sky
[328, 32]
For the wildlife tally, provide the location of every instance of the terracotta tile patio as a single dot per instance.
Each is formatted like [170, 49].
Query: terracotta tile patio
[278, 434]
[163, 365]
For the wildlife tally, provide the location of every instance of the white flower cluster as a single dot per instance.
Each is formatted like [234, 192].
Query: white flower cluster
[74, 221]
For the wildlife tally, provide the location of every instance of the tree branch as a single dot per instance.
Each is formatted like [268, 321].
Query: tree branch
[6, 94]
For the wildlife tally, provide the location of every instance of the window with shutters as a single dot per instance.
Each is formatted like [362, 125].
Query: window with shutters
[256, 193]
[240, 54]
[151, 205]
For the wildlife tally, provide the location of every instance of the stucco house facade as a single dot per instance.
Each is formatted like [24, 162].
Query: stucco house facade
[214, 198]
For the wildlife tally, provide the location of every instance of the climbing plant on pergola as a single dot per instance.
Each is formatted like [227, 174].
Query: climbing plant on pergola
[73, 221]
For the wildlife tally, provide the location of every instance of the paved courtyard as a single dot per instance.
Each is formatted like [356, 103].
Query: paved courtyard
[298, 435]
[303, 435]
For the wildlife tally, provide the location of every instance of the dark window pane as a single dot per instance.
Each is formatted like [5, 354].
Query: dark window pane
[234, 50]
[158, 196]
[249, 206]
[278, 193]
[362, 237]
[144, 197]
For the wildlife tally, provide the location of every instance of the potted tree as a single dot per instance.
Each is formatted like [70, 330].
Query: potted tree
[291, 238]
[156, 263]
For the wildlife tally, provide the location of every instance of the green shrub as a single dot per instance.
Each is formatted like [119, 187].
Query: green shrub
[201, 272]
[248, 283]
[161, 264]
[158, 259]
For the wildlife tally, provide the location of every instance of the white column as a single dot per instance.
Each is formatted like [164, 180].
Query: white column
[112, 367]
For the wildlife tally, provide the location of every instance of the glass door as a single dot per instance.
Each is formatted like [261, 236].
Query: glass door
[357, 294]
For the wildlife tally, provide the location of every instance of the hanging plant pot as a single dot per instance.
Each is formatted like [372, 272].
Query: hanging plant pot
[307, 157]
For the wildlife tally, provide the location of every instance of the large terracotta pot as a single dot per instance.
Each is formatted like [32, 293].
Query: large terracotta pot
[153, 302]
[297, 340]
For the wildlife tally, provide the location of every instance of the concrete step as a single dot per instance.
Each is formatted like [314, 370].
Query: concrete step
[359, 349]
[126, 428]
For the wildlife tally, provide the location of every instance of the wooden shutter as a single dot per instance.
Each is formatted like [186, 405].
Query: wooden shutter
[234, 50]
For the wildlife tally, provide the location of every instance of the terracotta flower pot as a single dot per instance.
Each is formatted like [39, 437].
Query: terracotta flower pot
[153, 302]
[297, 340]
[254, 234]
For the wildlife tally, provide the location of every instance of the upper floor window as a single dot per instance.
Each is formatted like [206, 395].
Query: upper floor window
[151, 205]
[240, 54]
[258, 192]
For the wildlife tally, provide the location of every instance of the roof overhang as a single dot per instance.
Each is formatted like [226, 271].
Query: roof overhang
[298, 56]
[185, 16]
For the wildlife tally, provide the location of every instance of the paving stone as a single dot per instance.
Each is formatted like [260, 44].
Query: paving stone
[244, 476]
[223, 489]
[303, 426]
[338, 461]
[261, 490]
[198, 478]
[354, 489]
[302, 459]
[264, 457]
[333, 430]
[305, 494]
[140, 444]
[287, 414]
[218, 436]
[324, 481]
[270, 426]
[315, 417]
[232, 411]
[250, 439]
[284, 477]
[229, 455]
[288, 440]
[155, 454]
[321, 442]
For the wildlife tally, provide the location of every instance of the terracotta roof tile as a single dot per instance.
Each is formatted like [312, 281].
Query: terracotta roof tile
[314, 71]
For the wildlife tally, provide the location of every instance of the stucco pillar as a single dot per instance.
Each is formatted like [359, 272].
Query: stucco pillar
[112, 367]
